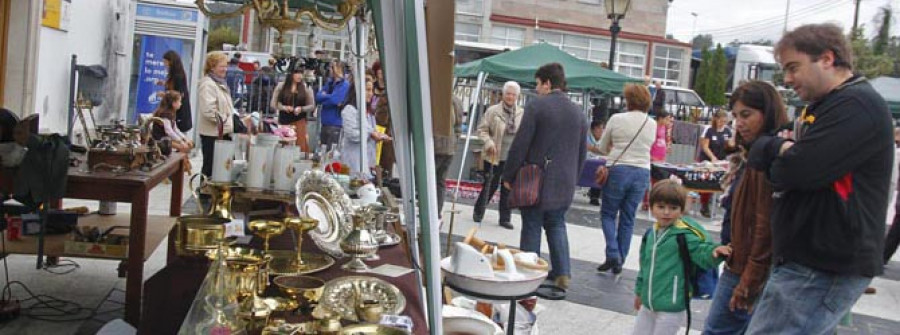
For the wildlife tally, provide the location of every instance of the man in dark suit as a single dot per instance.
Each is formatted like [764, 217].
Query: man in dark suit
[551, 134]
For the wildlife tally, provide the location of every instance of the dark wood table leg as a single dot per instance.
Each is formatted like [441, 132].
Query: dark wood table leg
[136, 242]
[177, 188]
[175, 210]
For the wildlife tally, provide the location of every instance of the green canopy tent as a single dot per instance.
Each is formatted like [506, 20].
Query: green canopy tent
[520, 66]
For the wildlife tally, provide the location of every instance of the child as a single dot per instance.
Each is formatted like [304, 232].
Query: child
[593, 152]
[663, 139]
[660, 282]
[171, 102]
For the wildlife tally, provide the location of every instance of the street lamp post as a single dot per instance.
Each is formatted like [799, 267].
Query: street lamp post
[615, 11]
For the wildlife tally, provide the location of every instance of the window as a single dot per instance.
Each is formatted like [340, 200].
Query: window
[548, 37]
[630, 58]
[473, 7]
[507, 36]
[667, 65]
[297, 43]
[468, 32]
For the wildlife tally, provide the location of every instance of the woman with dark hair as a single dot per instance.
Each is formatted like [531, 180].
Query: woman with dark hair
[758, 110]
[170, 103]
[354, 127]
[715, 144]
[294, 101]
[176, 80]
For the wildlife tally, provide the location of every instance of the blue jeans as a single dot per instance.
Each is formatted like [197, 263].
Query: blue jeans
[622, 194]
[721, 320]
[554, 222]
[801, 300]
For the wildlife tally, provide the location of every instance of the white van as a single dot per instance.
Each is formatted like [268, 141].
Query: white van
[682, 96]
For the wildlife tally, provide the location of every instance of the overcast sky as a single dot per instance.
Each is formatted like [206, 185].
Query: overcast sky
[727, 20]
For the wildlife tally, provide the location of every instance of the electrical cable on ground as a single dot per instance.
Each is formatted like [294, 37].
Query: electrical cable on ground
[43, 307]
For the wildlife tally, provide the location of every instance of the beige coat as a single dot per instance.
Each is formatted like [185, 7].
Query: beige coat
[213, 99]
[492, 128]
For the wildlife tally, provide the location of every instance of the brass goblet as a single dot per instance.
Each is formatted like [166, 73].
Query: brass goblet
[266, 229]
[300, 225]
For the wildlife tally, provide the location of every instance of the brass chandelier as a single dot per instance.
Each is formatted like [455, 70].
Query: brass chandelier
[286, 15]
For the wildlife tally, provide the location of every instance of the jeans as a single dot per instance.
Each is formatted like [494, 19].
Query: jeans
[801, 300]
[491, 183]
[441, 164]
[330, 136]
[554, 222]
[622, 194]
[721, 320]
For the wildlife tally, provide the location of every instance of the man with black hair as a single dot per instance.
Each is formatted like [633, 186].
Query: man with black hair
[552, 134]
[831, 176]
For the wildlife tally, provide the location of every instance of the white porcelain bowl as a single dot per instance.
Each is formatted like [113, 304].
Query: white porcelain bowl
[529, 281]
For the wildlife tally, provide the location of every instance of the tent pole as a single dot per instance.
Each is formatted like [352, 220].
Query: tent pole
[473, 110]
[360, 82]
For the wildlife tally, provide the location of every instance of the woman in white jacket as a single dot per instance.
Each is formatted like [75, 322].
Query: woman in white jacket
[214, 105]
[350, 137]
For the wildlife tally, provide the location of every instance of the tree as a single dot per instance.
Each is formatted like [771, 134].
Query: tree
[702, 42]
[219, 36]
[718, 77]
[701, 84]
[883, 21]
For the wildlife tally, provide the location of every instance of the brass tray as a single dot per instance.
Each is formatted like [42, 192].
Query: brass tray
[340, 296]
[281, 263]
[370, 329]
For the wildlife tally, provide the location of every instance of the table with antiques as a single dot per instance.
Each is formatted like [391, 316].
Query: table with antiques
[350, 276]
[139, 233]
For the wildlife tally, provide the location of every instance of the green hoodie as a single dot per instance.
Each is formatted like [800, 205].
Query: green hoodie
[660, 281]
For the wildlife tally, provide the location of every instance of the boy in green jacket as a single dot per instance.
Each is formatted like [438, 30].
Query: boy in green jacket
[660, 282]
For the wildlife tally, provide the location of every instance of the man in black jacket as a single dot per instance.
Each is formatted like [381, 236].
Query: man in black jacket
[831, 176]
[552, 133]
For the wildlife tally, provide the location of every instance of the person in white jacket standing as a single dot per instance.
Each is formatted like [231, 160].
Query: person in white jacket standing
[350, 137]
[214, 106]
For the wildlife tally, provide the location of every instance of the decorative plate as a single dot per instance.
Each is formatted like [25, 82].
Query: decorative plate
[340, 296]
[321, 197]
[389, 239]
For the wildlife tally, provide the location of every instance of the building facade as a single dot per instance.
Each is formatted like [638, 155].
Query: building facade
[580, 27]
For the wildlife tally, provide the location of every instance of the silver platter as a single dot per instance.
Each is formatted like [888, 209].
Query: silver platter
[340, 296]
[321, 197]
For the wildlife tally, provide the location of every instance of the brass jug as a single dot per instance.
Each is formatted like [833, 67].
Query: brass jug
[220, 197]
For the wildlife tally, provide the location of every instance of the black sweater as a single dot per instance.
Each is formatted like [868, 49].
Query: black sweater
[832, 185]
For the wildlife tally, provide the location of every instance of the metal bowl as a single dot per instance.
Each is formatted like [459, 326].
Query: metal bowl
[494, 286]
[342, 295]
[310, 288]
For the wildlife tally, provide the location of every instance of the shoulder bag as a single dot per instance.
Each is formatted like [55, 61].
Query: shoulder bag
[602, 173]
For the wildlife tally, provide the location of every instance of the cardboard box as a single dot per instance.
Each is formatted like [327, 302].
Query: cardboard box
[96, 250]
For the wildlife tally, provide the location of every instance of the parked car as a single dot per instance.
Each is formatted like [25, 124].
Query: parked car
[682, 96]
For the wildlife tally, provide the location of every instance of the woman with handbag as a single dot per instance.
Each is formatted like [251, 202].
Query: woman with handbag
[215, 109]
[627, 139]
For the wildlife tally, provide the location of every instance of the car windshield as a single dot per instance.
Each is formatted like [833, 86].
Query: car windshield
[688, 98]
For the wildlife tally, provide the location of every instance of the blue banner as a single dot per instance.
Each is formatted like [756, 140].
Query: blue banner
[152, 70]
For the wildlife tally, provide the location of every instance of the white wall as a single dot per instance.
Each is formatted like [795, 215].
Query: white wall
[18, 86]
[88, 30]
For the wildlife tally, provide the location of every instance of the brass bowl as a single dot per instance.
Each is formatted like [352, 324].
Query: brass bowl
[310, 288]
[198, 234]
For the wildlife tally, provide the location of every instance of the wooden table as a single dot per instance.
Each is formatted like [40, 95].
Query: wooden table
[145, 233]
